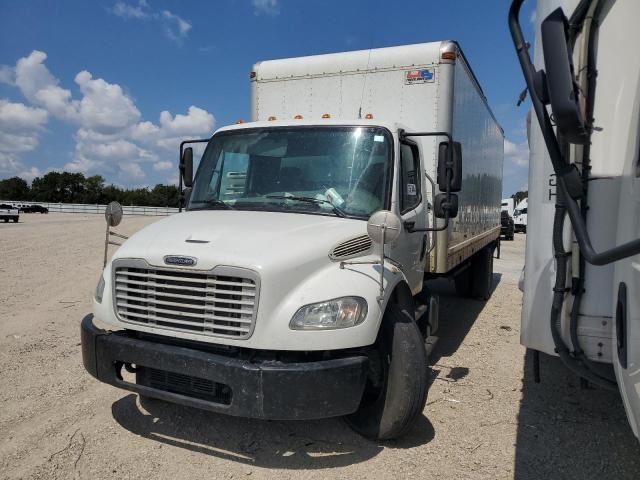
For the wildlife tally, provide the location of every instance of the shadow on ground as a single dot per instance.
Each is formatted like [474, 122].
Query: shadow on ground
[565, 431]
[270, 444]
[457, 316]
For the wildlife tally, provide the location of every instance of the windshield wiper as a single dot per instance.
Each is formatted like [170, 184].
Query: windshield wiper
[337, 210]
[212, 202]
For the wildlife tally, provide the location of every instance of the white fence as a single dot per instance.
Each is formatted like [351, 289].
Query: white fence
[96, 208]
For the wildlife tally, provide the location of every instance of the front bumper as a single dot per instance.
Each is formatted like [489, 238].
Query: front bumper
[264, 389]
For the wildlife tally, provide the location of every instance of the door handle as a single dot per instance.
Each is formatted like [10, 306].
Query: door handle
[409, 225]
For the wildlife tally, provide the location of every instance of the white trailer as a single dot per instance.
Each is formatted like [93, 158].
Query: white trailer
[508, 205]
[293, 286]
[582, 269]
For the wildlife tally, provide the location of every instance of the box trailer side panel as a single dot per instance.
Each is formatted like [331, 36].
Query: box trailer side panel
[349, 86]
[482, 139]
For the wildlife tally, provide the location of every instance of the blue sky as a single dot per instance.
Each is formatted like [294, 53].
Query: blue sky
[111, 87]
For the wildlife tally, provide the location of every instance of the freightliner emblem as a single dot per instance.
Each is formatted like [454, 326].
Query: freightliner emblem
[180, 261]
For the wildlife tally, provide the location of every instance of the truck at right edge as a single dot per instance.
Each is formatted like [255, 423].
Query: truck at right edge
[582, 268]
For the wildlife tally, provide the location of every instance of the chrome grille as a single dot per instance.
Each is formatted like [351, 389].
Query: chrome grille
[350, 248]
[190, 301]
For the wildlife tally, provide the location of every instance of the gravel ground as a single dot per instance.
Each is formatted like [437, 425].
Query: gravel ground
[485, 418]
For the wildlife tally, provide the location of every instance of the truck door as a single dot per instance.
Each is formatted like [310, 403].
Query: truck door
[626, 314]
[410, 248]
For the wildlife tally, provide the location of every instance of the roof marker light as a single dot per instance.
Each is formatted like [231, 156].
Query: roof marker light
[326, 115]
[271, 119]
[298, 117]
[449, 55]
[369, 116]
[239, 121]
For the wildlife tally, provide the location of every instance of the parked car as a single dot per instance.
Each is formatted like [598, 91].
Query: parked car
[35, 209]
[507, 227]
[9, 212]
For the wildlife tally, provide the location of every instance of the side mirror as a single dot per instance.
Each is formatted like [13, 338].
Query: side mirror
[113, 214]
[559, 74]
[384, 227]
[441, 206]
[454, 164]
[186, 166]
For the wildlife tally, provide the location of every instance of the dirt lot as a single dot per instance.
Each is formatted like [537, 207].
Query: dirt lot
[485, 418]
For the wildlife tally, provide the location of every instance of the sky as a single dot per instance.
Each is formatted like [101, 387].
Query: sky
[111, 87]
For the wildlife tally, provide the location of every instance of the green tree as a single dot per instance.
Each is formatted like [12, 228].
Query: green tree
[519, 196]
[14, 188]
[94, 189]
[47, 188]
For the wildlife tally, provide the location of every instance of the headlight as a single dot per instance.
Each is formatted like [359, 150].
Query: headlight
[100, 289]
[338, 313]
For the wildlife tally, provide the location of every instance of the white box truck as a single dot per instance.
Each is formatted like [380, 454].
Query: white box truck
[582, 269]
[520, 216]
[293, 287]
[508, 206]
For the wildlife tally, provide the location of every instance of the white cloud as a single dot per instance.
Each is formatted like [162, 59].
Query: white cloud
[163, 165]
[124, 10]
[30, 174]
[20, 127]
[7, 75]
[20, 117]
[175, 27]
[516, 154]
[516, 166]
[266, 7]
[112, 137]
[104, 106]
[131, 171]
[173, 129]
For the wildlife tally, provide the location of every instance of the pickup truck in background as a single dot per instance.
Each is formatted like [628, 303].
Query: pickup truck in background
[8, 212]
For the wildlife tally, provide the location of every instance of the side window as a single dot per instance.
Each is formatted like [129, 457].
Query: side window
[409, 177]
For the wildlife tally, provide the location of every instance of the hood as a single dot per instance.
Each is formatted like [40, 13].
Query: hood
[254, 240]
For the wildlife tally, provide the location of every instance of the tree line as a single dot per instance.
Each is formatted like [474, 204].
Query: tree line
[519, 196]
[66, 187]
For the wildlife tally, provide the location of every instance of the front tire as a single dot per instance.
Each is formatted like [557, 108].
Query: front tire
[396, 390]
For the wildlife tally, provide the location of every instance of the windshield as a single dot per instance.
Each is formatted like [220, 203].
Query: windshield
[341, 171]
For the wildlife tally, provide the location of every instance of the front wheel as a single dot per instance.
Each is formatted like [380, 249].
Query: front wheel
[397, 383]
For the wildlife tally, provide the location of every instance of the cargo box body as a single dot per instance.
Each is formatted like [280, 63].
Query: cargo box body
[417, 89]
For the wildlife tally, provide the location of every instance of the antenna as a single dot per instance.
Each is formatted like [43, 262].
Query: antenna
[364, 84]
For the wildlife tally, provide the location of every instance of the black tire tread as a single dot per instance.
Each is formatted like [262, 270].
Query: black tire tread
[394, 412]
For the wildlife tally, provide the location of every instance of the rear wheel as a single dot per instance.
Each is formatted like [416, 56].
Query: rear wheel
[396, 390]
[482, 273]
[463, 282]
[15, 220]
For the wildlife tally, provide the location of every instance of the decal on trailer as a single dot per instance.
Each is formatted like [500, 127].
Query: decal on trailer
[426, 75]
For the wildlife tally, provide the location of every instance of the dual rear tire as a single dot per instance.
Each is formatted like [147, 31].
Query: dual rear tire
[477, 279]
